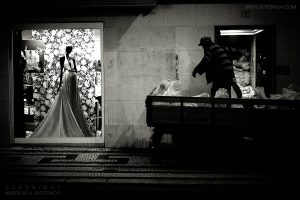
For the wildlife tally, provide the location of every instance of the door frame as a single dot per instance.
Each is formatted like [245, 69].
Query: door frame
[94, 141]
[272, 77]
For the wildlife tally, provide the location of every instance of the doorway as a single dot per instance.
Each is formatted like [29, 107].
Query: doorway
[253, 51]
[37, 49]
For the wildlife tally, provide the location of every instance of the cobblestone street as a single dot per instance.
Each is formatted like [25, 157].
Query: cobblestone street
[65, 171]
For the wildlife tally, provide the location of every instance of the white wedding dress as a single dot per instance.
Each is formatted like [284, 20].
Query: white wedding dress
[65, 117]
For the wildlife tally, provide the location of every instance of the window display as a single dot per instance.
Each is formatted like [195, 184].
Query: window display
[32, 54]
[40, 53]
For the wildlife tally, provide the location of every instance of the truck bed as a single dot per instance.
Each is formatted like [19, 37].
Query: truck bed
[176, 112]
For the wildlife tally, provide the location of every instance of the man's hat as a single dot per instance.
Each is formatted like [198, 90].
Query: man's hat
[204, 40]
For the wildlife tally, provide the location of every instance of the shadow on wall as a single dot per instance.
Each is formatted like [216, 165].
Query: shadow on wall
[141, 138]
[140, 54]
[141, 143]
[131, 136]
[124, 136]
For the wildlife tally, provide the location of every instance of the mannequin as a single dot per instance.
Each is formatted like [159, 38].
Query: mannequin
[65, 117]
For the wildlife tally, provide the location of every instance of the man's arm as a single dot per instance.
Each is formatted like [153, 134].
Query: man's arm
[201, 67]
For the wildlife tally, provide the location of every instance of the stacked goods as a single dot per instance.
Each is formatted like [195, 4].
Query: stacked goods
[167, 88]
[241, 68]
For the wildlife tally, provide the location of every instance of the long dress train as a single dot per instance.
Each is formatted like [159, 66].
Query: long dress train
[65, 117]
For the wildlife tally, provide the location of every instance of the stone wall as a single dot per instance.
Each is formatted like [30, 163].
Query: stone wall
[141, 51]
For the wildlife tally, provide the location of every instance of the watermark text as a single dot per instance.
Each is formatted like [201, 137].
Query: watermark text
[270, 7]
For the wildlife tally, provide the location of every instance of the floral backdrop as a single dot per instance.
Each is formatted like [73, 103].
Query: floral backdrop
[45, 84]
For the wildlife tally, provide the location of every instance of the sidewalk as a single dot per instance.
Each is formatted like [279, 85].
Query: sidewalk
[64, 171]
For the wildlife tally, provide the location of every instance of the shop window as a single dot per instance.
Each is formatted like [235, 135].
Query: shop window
[38, 64]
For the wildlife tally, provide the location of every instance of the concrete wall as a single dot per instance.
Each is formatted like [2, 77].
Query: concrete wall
[141, 51]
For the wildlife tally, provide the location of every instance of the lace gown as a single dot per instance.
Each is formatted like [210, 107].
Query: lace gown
[65, 117]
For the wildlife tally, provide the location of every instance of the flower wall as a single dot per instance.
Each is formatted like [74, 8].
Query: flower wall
[45, 84]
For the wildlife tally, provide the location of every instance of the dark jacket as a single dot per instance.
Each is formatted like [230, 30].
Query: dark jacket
[216, 63]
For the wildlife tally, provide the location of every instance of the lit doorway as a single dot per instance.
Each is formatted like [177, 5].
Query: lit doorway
[252, 48]
[37, 49]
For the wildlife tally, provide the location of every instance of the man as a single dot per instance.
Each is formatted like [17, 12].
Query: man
[217, 65]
